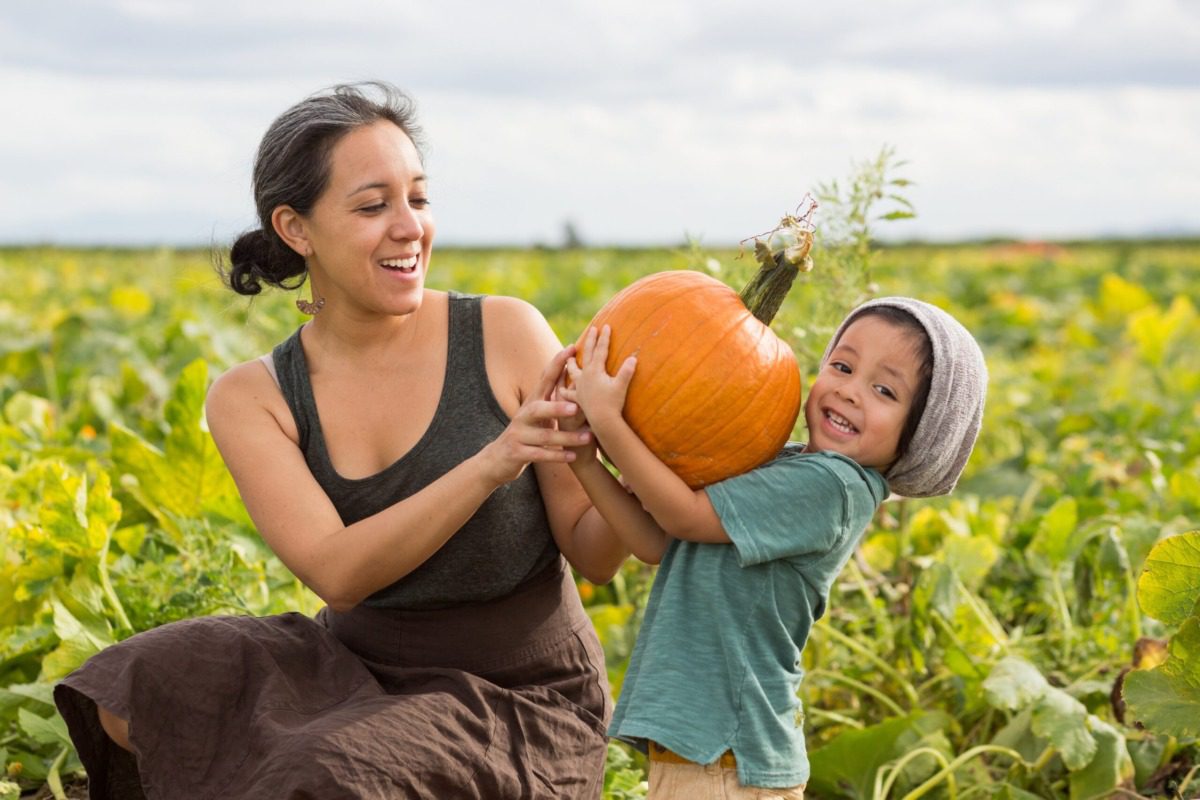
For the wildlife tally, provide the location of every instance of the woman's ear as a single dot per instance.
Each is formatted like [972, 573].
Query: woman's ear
[292, 229]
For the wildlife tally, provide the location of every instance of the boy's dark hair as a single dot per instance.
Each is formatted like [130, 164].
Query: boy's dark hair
[924, 351]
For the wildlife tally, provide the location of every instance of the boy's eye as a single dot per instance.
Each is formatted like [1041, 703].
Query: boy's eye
[840, 366]
[886, 392]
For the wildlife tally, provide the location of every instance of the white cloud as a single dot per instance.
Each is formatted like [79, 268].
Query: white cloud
[137, 120]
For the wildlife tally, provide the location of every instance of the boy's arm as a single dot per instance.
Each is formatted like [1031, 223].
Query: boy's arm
[620, 511]
[614, 512]
[682, 512]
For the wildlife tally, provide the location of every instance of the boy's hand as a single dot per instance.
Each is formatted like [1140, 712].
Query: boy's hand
[577, 422]
[601, 396]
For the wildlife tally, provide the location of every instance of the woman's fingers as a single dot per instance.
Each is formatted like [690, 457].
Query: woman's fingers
[550, 375]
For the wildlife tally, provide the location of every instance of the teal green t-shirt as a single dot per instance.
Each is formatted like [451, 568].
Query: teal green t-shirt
[716, 665]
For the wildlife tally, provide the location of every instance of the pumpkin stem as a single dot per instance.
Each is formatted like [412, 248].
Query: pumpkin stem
[764, 293]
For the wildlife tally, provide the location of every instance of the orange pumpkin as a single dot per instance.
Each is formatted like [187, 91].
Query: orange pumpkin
[716, 392]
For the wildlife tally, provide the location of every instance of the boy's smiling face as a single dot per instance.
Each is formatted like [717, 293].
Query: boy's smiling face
[860, 401]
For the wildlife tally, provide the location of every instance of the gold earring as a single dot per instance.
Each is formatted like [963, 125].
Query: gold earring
[310, 308]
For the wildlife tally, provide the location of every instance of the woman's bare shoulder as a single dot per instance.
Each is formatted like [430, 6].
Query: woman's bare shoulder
[241, 394]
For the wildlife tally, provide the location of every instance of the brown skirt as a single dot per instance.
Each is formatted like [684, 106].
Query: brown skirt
[507, 699]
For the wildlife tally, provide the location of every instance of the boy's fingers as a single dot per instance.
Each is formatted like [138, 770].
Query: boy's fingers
[589, 342]
[601, 351]
[625, 373]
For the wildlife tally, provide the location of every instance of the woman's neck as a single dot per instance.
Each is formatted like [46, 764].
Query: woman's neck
[354, 338]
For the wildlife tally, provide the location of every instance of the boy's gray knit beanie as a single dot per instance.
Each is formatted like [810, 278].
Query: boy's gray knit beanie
[954, 410]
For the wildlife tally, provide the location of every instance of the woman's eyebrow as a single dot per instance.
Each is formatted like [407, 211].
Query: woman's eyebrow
[381, 185]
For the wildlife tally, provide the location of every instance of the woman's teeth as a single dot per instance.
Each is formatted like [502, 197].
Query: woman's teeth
[839, 422]
[401, 264]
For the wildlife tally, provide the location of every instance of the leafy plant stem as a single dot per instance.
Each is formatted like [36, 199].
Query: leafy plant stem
[984, 616]
[882, 623]
[862, 687]
[53, 779]
[947, 629]
[909, 691]
[1131, 604]
[1060, 597]
[958, 762]
[1043, 759]
[833, 716]
[897, 767]
[49, 376]
[934, 681]
[106, 584]
[1187, 780]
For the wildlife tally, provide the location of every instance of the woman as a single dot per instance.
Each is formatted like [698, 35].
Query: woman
[382, 451]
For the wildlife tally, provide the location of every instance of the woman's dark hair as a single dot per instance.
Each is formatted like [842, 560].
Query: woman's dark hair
[292, 168]
[924, 351]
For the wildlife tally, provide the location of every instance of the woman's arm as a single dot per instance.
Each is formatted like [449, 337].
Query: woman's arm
[519, 344]
[682, 512]
[250, 423]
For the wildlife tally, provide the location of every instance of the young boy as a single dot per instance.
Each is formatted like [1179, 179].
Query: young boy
[747, 563]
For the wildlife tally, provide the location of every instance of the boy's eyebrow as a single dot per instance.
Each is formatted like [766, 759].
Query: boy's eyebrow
[897, 374]
[381, 185]
[890, 370]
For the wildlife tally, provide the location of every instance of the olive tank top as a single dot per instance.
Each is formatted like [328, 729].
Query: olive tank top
[506, 542]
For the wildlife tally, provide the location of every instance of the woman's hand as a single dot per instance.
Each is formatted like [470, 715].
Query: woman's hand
[534, 435]
[600, 396]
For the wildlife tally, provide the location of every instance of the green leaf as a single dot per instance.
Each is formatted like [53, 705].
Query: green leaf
[937, 590]
[1110, 767]
[1062, 719]
[971, 558]
[1053, 538]
[1166, 699]
[43, 730]
[40, 692]
[1147, 756]
[846, 766]
[1185, 486]
[78, 641]
[187, 478]
[1169, 585]
[1014, 683]
[32, 415]
[9, 790]
[1009, 792]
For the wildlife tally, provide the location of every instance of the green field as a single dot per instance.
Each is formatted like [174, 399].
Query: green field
[970, 649]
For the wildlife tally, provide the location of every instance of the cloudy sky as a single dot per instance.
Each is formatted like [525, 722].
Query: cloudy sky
[641, 121]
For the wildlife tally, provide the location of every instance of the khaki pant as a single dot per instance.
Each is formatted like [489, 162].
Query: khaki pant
[709, 782]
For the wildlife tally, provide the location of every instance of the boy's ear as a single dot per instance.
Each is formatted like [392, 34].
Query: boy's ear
[292, 228]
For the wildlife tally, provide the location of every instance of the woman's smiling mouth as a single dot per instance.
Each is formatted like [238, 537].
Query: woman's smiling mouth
[405, 265]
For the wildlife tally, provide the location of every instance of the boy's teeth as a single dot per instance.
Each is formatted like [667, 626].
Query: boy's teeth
[840, 422]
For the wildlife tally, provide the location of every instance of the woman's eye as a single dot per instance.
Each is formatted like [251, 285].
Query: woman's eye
[373, 209]
[419, 202]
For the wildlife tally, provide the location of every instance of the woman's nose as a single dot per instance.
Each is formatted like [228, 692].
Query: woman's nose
[407, 225]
